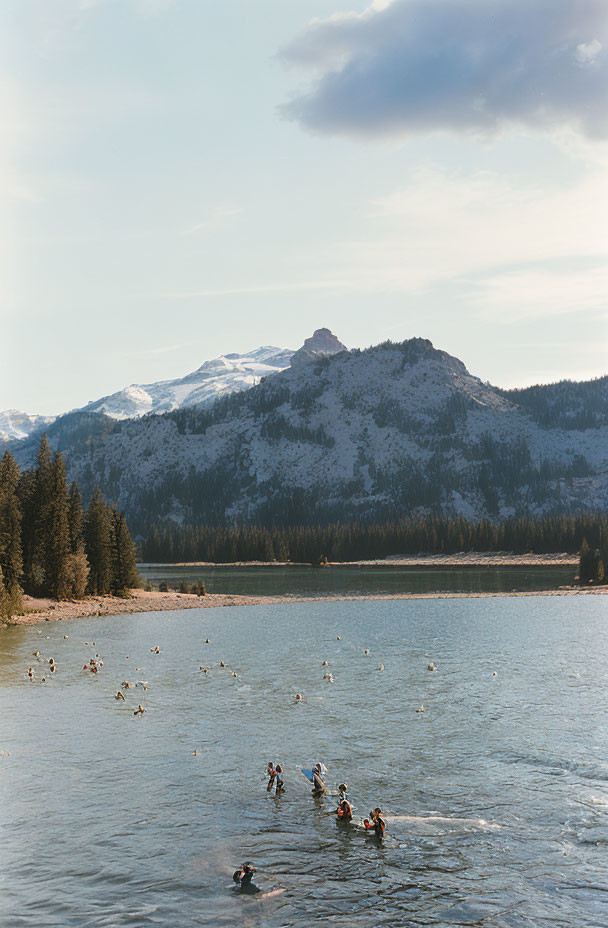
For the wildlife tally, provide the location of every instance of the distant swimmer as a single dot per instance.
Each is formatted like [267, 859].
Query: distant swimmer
[207, 641]
[318, 784]
[431, 667]
[222, 664]
[244, 878]
[344, 812]
[36, 653]
[204, 669]
[325, 664]
[329, 677]
[270, 770]
[119, 695]
[30, 673]
[299, 697]
[140, 710]
[381, 667]
[53, 668]
[376, 823]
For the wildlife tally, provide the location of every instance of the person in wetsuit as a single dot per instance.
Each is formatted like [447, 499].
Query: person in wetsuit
[344, 812]
[376, 823]
[243, 877]
[318, 785]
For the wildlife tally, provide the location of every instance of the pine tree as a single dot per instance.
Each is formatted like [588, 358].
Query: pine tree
[57, 541]
[97, 534]
[124, 559]
[11, 557]
[76, 520]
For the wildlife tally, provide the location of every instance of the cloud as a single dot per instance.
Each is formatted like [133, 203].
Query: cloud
[483, 66]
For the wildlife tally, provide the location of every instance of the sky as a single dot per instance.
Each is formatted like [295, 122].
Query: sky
[185, 178]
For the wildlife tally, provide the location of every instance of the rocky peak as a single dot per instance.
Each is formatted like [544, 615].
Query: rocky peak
[321, 344]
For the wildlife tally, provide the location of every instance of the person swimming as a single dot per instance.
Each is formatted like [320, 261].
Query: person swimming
[344, 812]
[244, 878]
[271, 775]
[318, 785]
[376, 823]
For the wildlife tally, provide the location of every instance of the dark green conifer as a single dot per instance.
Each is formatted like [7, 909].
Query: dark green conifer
[97, 535]
[57, 547]
[11, 556]
[124, 558]
[76, 520]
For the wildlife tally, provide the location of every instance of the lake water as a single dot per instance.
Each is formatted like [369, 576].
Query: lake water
[107, 819]
[315, 581]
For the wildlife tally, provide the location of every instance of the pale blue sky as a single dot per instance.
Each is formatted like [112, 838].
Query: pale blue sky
[183, 178]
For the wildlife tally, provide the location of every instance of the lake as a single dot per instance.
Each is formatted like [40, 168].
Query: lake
[338, 580]
[496, 795]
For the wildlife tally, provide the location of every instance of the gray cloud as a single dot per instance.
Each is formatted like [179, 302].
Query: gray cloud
[411, 66]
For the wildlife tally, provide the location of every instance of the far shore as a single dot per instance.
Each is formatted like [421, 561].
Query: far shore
[41, 610]
[461, 560]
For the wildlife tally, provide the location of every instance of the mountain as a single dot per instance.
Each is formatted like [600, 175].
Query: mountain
[394, 430]
[15, 425]
[227, 374]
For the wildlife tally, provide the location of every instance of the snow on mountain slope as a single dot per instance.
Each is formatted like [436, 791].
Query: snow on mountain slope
[222, 375]
[16, 425]
[390, 431]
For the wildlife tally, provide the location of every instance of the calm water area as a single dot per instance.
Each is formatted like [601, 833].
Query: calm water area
[496, 795]
[309, 581]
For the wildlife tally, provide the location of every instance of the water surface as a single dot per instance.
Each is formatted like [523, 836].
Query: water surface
[110, 819]
[315, 581]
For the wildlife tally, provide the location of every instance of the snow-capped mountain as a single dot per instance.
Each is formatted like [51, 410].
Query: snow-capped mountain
[15, 425]
[382, 433]
[227, 374]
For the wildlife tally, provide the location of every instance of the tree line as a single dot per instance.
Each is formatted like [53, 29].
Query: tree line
[49, 546]
[362, 541]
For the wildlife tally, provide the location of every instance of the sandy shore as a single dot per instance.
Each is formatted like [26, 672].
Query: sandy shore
[44, 610]
[463, 559]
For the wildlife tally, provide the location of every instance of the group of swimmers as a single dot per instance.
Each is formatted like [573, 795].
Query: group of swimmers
[243, 877]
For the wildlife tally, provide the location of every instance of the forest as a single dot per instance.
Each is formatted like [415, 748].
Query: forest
[361, 541]
[49, 546]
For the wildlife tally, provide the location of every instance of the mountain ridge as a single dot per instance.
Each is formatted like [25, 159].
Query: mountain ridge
[396, 429]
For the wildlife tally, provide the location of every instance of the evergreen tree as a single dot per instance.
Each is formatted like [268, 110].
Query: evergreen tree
[57, 538]
[97, 534]
[124, 558]
[76, 520]
[11, 558]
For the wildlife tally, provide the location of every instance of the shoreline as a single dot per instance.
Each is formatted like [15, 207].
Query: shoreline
[503, 559]
[141, 601]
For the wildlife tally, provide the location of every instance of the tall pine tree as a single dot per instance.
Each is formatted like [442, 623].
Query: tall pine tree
[124, 559]
[11, 558]
[97, 533]
[57, 538]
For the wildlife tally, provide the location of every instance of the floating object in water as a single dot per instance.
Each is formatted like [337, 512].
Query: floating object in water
[222, 664]
[431, 667]
[381, 667]
[207, 641]
[338, 638]
[66, 636]
[494, 674]
[420, 709]
[325, 664]
[366, 651]
[299, 697]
